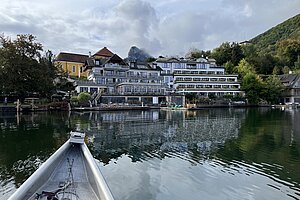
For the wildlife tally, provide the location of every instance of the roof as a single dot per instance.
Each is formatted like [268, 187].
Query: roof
[289, 79]
[144, 66]
[91, 62]
[104, 52]
[71, 57]
[116, 59]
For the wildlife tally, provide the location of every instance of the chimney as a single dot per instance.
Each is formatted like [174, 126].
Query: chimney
[90, 54]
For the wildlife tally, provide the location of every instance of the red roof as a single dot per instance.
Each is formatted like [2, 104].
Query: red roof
[72, 57]
[104, 52]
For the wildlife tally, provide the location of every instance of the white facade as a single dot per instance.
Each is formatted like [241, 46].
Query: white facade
[203, 77]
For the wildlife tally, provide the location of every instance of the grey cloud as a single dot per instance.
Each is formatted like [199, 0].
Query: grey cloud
[132, 22]
[159, 26]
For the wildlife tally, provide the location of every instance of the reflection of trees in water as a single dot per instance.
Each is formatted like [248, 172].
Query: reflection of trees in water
[140, 135]
[27, 139]
[269, 138]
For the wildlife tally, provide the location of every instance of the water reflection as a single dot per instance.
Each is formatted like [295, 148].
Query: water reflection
[26, 141]
[143, 134]
[249, 153]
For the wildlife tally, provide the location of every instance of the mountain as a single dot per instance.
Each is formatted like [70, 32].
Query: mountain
[267, 41]
[136, 54]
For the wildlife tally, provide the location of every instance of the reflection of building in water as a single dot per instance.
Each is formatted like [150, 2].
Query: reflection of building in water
[142, 132]
[295, 118]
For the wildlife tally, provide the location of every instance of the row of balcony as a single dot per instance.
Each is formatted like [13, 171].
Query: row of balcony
[221, 80]
[125, 75]
[208, 86]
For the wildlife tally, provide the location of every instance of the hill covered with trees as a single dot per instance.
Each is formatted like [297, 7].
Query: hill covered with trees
[269, 41]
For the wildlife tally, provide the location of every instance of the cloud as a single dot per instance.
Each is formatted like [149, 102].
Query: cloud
[131, 22]
[158, 26]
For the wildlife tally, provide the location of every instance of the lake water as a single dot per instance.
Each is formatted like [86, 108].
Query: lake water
[207, 154]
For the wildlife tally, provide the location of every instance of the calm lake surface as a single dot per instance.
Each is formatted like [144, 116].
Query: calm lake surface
[207, 154]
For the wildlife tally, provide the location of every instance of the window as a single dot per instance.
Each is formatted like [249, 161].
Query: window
[93, 90]
[97, 62]
[83, 89]
[73, 69]
[80, 69]
[188, 79]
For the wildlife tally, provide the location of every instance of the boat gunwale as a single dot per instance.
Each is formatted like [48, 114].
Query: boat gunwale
[29, 187]
[39, 174]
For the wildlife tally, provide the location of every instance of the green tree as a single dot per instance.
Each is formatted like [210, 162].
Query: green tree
[297, 64]
[229, 67]
[236, 53]
[244, 68]
[191, 97]
[222, 54]
[272, 89]
[84, 97]
[288, 51]
[252, 84]
[249, 52]
[263, 64]
[196, 53]
[286, 70]
[276, 70]
[23, 70]
[228, 52]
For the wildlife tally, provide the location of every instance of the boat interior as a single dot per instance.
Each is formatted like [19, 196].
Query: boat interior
[69, 180]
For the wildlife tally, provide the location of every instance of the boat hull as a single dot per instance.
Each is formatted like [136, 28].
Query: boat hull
[72, 162]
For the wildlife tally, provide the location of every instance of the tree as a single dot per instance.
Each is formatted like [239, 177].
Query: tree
[252, 84]
[272, 89]
[84, 97]
[236, 53]
[297, 64]
[222, 54]
[24, 71]
[288, 51]
[228, 52]
[229, 67]
[244, 68]
[276, 70]
[191, 97]
[196, 53]
[286, 70]
[263, 64]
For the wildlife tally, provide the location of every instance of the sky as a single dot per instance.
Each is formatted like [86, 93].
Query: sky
[161, 27]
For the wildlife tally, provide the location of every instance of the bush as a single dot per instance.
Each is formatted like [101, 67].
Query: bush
[84, 97]
[74, 99]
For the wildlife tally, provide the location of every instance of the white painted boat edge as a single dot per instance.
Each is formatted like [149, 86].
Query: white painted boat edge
[31, 183]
